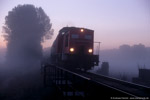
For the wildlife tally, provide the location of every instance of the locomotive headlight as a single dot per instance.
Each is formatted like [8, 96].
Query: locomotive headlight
[90, 50]
[71, 49]
[82, 30]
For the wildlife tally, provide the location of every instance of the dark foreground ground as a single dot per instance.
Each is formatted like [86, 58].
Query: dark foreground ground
[27, 87]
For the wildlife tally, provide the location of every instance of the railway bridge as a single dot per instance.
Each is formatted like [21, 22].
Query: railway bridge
[79, 85]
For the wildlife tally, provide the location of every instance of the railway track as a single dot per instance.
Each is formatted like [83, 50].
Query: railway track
[129, 88]
[88, 85]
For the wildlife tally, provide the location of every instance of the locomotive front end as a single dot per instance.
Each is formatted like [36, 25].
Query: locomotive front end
[78, 48]
[81, 41]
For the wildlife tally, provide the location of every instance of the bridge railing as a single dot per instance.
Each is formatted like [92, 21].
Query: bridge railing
[73, 85]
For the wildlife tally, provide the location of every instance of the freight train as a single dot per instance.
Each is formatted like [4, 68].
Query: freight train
[73, 48]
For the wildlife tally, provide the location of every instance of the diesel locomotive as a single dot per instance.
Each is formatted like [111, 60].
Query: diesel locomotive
[73, 48]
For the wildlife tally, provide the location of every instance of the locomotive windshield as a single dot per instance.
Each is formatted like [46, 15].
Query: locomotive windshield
[89, 37]
[74, 36]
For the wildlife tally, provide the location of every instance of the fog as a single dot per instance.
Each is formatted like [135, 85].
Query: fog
[122, 61]
[126, 60]
[26, 27]
[2, 54]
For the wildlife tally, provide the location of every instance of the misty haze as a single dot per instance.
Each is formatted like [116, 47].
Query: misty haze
[126, 60]
[29, 45]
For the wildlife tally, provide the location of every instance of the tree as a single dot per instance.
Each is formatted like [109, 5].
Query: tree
[26, 26]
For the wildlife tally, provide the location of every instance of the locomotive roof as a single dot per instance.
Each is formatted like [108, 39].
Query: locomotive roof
[64, 29]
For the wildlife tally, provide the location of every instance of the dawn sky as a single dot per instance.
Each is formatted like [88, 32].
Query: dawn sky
[115, 22]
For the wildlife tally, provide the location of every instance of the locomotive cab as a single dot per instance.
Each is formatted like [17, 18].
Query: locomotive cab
[78, 42]
[75, 48]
